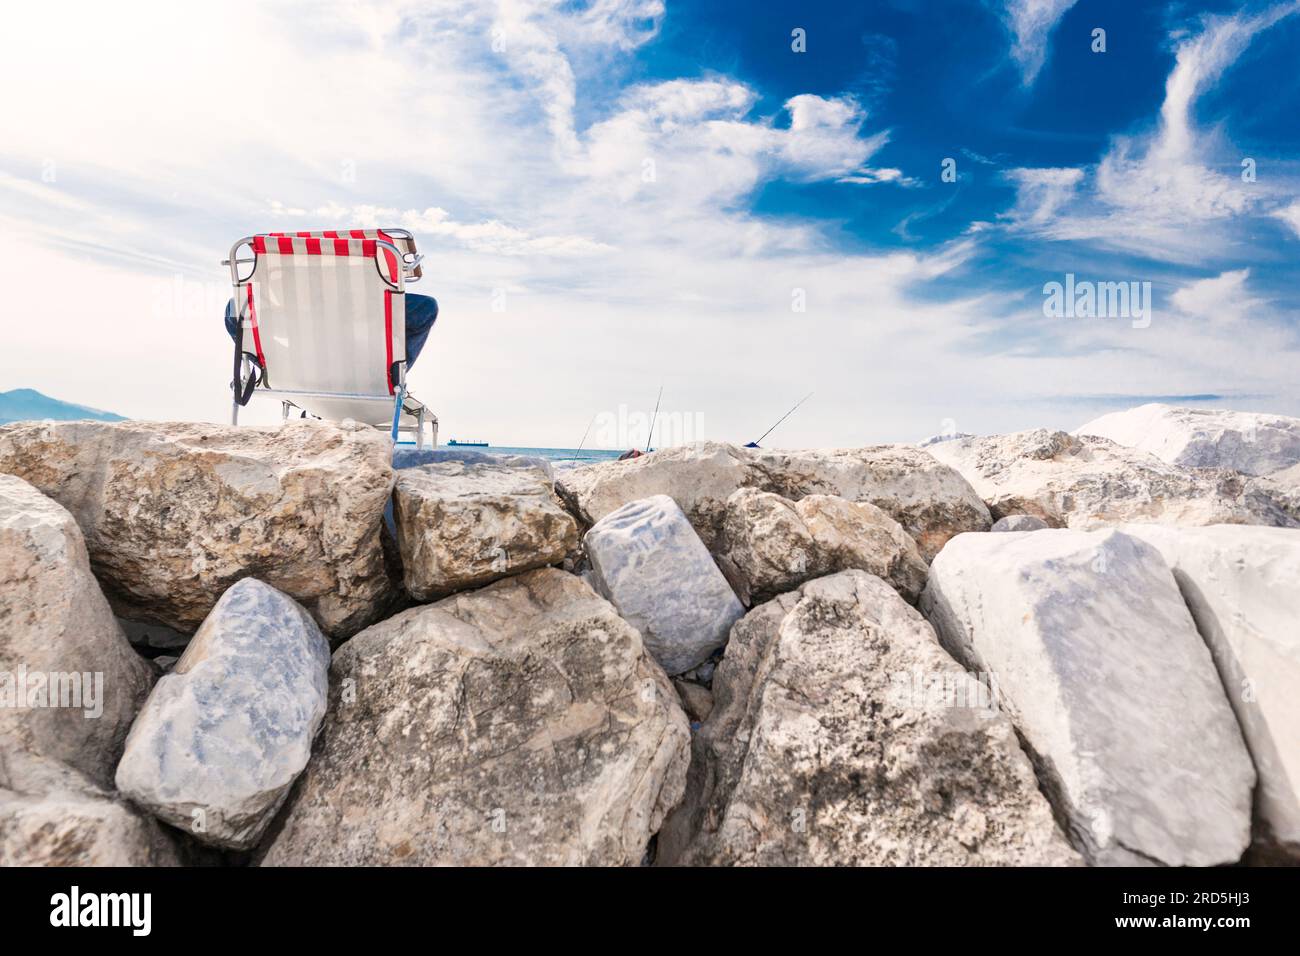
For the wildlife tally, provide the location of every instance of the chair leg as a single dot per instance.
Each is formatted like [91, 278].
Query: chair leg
[419, 435]
[399, 399]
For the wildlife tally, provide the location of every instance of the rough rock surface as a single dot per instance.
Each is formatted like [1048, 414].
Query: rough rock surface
[822, 751]
[931, 501]
[770, 545]
[175, 513]
[51, 815]
[1249, 442]
[1099, 664]
[1086, 482]
[1243, 588]
[649, 562]
[697, 700]
[520, 723]
[464, 520]
[1283, 489]
[59, 641]
[1019, 523]
[225, 734]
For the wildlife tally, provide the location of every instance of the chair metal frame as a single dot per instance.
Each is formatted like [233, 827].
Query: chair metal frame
[410, 272]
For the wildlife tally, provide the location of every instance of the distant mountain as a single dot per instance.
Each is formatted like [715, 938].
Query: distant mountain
[27, 404]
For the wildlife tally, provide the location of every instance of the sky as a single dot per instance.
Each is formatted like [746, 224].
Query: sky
[741, 203]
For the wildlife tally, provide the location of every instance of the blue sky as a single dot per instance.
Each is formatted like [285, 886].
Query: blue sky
[618, 194]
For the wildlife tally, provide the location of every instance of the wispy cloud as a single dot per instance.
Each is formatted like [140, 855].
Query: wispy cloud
[1164, 194]
[1031, 23]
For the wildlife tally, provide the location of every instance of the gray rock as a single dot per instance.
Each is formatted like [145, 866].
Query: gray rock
[176, 512]
[465, 520]
[522, 723]
[70, 684]
[1099, 664]
[225, 734]
[1019, 523]
[649, 562]
[843, 734]
[51, 815]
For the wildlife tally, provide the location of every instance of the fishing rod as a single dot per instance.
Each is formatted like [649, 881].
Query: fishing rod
[653, 418]
[754, 444]
[584, 438]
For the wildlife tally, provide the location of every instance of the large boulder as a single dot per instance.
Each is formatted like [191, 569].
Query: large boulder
[1242, 586]
[175, 513]
[771, 545]
[464, 520]
[225, 734]
[1249, 442]
[70, 683]
[647, 560]
[827, 746]
[1086, 483]
[931, 501]
[1097, 660]
[520, 723]
[51, 815]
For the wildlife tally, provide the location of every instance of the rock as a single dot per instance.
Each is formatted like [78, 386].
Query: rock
[931, 501]
[1086, 483]
[1282, 488]
[464, 520]
[70, 684]
[1019, 523]
[175, 513]
[51, 815]
[1248, 442]
[1099, 664]
[1242, 586]
[697, 700]
[149, 638]
[520, 723]
[819, 752]
[647, 560]
[225, 734]
[770, 545]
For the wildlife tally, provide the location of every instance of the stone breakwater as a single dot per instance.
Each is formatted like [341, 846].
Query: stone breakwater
[1040, 648]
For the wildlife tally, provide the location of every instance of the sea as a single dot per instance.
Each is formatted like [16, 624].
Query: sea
[558, 457]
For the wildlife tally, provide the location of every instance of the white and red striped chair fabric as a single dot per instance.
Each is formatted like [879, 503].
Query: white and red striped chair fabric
[322, 319]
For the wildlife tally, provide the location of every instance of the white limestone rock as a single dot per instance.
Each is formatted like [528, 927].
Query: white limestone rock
[651, 565]
[1086, 482]
[1097, 660]
[1252, 443]
[224, 735]
[1242, 586]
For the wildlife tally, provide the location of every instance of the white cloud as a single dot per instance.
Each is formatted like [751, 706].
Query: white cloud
[1031, 23]
[1222, 299]
[1291, 216]
[1165, 194]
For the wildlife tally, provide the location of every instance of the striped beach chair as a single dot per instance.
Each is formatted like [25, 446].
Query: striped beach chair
[322, 326]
